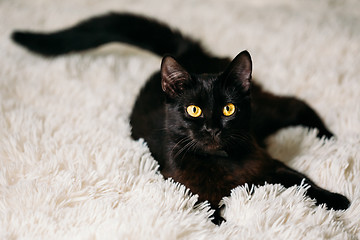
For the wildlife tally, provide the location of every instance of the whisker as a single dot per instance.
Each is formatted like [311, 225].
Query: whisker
[236, 138]
[184, 148]
[192, 144]
[182, 140]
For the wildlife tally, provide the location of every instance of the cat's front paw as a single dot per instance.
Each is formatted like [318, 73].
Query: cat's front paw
[337, 202]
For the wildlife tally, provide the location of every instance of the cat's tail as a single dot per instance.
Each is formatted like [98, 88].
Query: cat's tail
[113, 27]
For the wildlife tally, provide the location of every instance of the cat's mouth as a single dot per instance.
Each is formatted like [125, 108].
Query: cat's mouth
[213, 148]
[214, 151]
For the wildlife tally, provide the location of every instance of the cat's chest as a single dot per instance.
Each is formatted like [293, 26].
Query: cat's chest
[212, 181]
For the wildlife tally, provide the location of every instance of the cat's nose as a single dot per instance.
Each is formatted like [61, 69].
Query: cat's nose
[214, 132]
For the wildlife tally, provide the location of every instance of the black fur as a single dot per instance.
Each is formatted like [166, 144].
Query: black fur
[211, 153]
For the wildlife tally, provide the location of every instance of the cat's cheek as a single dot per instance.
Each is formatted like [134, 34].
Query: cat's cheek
[229, 123]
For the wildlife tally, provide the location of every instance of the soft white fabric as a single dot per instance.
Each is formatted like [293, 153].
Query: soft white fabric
[70, 170]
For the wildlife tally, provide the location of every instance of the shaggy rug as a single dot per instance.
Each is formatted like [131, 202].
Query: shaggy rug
[70, 170]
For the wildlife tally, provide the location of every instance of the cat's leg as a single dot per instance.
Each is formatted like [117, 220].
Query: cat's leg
[271, 113]
[289, 177]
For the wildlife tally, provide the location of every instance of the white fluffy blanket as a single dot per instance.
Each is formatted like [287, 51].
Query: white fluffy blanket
[69, 169]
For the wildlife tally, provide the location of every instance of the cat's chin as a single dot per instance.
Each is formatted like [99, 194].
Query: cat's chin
[217, 153]
[214, 150]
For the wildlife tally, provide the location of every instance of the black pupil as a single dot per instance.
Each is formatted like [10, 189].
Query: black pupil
[194, 109]
[227, 108]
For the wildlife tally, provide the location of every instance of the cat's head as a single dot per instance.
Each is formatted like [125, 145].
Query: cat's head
[207, 113]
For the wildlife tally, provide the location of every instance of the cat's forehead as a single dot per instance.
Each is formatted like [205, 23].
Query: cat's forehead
[206, 89]
[207, 81]
[204, 85]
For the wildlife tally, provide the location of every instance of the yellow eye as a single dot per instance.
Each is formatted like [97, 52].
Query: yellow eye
[193, 111]
[229, 109]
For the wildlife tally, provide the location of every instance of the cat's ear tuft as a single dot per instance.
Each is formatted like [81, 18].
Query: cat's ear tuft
[174, 77]
[239, 71]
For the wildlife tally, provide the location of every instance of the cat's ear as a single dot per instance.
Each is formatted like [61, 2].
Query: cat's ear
[238, 73]
[174, 77]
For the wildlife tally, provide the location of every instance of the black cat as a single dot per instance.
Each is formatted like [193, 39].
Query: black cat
[203, 118]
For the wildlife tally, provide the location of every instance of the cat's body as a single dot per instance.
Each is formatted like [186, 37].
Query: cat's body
[204, 120]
